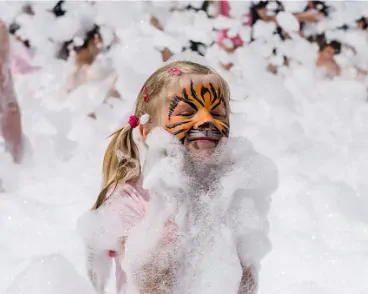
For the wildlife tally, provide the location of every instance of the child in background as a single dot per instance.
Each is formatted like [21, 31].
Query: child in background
[10, 119]
[85, 55]
[190, 101]
[326, 58]
[88, 69]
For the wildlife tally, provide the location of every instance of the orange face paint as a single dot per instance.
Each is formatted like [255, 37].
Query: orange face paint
[196, 105]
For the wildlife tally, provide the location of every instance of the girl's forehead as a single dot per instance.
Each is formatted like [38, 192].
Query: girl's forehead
[185, 82]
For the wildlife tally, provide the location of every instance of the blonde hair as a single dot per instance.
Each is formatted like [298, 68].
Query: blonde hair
[127, 169]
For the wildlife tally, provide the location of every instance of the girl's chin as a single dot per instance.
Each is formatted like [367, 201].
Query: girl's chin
[203, 145]
[200, 150]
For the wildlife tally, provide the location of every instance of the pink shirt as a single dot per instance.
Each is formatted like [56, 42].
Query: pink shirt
[133, 210]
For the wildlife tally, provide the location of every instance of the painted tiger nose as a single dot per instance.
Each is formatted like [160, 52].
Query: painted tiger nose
[206, 119]
[206, 125]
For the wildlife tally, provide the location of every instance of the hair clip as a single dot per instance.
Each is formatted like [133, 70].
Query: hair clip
[133, 121]
[174, 71]
[145, 94]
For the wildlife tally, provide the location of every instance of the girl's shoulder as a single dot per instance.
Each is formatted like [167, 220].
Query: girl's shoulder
[126, 190]
[129, 200]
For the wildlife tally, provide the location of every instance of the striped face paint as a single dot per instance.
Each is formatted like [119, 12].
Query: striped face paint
[200, 105]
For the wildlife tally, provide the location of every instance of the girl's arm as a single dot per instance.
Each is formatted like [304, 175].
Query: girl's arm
[310, 15]
[248, 283]
[99, 269]
[10, 120]
[105, 231]
[154, 21]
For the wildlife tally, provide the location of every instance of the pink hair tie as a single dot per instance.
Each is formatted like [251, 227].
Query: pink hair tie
[133, 121]
[174, 71]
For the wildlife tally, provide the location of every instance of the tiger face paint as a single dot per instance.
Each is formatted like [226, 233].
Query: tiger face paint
[198, 114]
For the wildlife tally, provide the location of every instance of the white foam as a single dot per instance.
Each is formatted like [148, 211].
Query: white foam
[314, 131]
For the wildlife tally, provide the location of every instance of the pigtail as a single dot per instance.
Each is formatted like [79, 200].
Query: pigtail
[121, 162]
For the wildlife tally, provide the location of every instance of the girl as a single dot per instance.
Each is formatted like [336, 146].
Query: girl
[326, 58]
[191, 102]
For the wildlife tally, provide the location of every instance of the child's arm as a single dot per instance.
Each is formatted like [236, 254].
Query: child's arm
[105, 231]
[99, 269]
[248, 283]
[10, 120]
[248, 218]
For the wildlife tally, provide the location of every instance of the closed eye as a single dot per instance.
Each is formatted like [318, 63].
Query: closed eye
[218, 110]
[186, 114]
[184, 110]
[218, 114]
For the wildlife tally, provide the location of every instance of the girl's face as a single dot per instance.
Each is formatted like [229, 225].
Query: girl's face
[95, 45]
[88, 54]
[197, 114]
[328, 53]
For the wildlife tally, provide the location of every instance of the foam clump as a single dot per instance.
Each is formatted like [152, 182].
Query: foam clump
[101, 229]
[288, 21]
[164, 159]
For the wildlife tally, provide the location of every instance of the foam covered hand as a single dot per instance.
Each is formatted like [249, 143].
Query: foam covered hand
[250, 180]
[245, 168]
